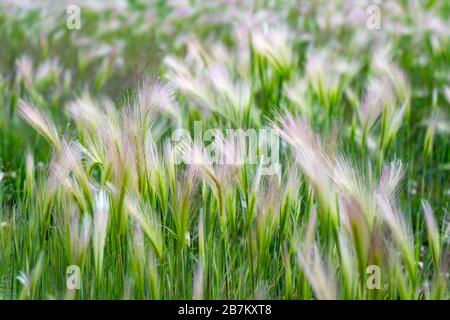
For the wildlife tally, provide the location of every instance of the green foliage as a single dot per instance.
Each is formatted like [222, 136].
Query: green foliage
[88, 174]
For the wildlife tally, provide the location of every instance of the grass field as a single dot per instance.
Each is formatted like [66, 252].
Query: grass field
[135, 164]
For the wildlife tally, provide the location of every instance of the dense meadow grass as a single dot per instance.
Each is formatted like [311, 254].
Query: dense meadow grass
[93, 173]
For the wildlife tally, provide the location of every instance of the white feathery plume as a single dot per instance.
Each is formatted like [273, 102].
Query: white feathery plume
[197, 157]
[153, 97]
[319, 275]
[148, 221]
[372, 105]
[274, 45]
[400, 230]
[85, 113]
[397, 78]
[391, 176]
[310, 156]
[189, 84]
[40, 122]
[79, 238]
[298, 94]
[24, 70]
[327, 83]
[347, 177]
[234, 95]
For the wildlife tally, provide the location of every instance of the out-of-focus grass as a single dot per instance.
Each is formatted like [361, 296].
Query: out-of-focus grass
[363, 116]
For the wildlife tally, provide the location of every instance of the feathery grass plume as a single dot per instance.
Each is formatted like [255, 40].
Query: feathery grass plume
[72, 154]
[274, 45]
[66, 170]
[167, 175]
[348, 177]
[297, 92]
[319, 274]
[400, 285]
[226, 227]
[233, 95]
[290, 194]
[79, 237]
[197, 53]
[213, 86]
[433, 234]
[392, 122]
[310, 229]
[60, 170]
[122, 153]
[112, 139]
[314, 162]
[97, 126]
[357, 229]
[371, 107]
[232, 150]
[146, 218]
[328, 84]
[392, 115]
[401, 233]
[358, 214]
[151, 98]
[182, 207]
[325, 87]
[129, 161]
[189, 84]
[391, 176]
[153, 161]
[40, 122]
[349, 267]
[100, 229]
[95, 154]
[200, 162]
[382, 65]
[86, 114]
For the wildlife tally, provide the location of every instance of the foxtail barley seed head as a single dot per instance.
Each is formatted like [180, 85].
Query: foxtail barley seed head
[40, 122]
